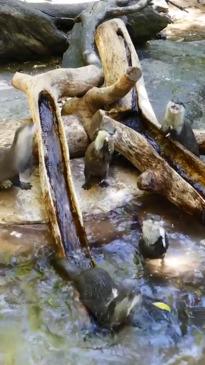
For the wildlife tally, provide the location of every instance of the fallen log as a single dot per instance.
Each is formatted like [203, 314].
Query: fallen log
[160, 177]
[143, 21]
[200, 137]
[54, 164]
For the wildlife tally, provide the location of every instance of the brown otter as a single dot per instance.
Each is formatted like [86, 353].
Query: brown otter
[17, 158]
[108, 302]
[97, 159]
[178, 128]
[153, 242]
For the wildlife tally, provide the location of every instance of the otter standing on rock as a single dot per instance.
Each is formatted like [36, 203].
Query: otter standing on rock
[97, 159]
[178, 128]
[153, 242]
[18, 158]
[108, 302]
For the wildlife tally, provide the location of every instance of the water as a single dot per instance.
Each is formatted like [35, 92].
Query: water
[176, 70]
[41, 319]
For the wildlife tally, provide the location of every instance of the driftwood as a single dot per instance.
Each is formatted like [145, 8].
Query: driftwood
[95, 14]
[55, 173]
[200, 137]
[158, 176]
[34, 30]
[144, 23]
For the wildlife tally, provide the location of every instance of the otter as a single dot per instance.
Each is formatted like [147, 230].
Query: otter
[97, 159]
[153, 242]
[109, 303]
[18, 158]
[178, 128]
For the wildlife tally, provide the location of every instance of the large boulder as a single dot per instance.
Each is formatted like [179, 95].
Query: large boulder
[27, 33]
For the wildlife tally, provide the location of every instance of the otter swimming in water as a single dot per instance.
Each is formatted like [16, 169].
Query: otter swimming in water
[108, 302]
[153, 242]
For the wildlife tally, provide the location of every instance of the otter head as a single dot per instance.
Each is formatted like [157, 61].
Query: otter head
[174, 115]
[122, 305]
[153, 232]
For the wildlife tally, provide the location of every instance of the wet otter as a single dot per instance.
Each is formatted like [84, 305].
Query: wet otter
[178, 128]
[17, 158]
[153, 242]
[97, 159]
[108, 302]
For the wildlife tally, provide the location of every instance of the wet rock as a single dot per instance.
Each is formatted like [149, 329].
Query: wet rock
[27, 33]
[146, 25]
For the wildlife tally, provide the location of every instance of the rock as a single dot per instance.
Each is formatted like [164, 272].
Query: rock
[147, 24]
[27, 33]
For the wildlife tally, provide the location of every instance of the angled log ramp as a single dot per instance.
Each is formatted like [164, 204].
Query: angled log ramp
[158, 175]
[54, 163]
[191, 168]
[117, 53]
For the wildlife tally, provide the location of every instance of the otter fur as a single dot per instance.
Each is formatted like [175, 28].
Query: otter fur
[153, 242]
[108, 302]
[97, 159]
[18, 158]
[178, 128]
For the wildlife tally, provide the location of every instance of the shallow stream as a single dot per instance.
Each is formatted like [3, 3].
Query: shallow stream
[41, 320]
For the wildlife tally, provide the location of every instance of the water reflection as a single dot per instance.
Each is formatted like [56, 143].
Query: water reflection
[42, 315]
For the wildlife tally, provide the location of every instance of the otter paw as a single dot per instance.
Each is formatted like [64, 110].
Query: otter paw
[6, 185]
[25, 186]
[86, 186]
[103, 184]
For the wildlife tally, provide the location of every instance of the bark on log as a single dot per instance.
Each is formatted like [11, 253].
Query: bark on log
[157, 175]
[116, 57]
[55, 173]
[134, 146]
[200, 137]
[99, 11]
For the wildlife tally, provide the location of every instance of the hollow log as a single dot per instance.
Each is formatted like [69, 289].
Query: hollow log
[55, 172]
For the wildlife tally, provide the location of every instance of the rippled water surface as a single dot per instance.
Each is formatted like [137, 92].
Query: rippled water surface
[41, 319]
